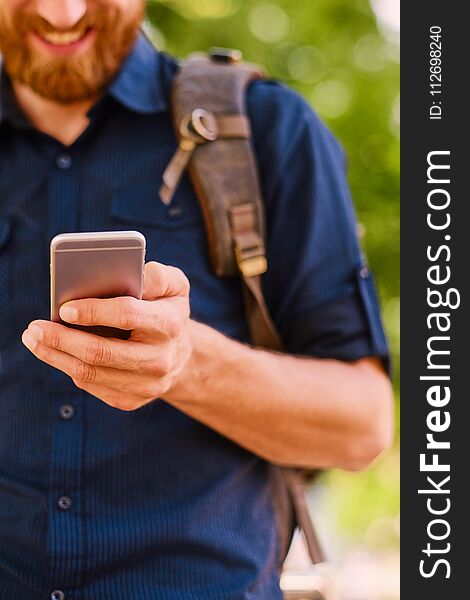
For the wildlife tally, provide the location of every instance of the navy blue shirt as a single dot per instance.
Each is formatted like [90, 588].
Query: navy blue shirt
[108, 505]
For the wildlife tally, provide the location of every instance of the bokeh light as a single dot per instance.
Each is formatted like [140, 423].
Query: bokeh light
[269, 23]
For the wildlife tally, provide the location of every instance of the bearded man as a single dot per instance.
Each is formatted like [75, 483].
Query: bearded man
[139, 469]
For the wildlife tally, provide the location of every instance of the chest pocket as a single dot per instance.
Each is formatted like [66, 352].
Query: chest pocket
[140, 204]
[170, 231]
[7, 327]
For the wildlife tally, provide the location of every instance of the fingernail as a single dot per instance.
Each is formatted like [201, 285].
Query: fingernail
[36, 332]
[68, 313]
[28, 340]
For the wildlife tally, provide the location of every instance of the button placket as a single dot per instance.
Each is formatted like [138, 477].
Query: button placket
[68, 426]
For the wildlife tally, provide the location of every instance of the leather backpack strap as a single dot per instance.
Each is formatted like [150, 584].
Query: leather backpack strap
[250, 255]
[209, 114]
[206, 96]
[295, 485]
[214, 145]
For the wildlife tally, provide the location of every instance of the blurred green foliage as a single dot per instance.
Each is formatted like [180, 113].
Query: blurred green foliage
[345, 62]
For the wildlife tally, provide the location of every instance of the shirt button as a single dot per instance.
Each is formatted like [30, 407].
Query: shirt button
[57, 595]
[64, 503]
[175, 212]
[67, 412]
[364, 272]
[64, 161]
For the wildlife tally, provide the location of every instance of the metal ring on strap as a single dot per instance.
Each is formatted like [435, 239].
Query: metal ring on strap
[200, 125]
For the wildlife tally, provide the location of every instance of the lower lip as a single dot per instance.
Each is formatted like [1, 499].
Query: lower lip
[72, 49]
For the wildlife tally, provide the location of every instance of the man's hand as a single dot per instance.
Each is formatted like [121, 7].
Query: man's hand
[125, 374]
[295, 411]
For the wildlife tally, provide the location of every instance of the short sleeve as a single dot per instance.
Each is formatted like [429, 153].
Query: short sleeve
[318, 287]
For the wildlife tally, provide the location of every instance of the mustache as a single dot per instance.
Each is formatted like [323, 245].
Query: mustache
[99, 19]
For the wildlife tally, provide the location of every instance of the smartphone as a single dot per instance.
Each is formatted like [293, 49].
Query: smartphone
[96, 265]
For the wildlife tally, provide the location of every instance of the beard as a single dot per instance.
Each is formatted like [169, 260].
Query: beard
[68, 79]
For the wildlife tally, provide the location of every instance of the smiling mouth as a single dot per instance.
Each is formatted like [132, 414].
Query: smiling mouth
[56, 38]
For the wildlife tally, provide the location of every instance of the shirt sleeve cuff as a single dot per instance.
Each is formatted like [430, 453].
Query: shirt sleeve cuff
[347, 328]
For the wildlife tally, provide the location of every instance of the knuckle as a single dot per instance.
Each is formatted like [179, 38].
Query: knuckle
[53, 339]
[164, 385]
[44, 353]
[127, 401]
[174, 327]
[84, 373]
[97, 353]
[127, 406]
[88, 314]
[153, 366]
[149, 392]
[129, 316]
[152, 266]
[162, 365]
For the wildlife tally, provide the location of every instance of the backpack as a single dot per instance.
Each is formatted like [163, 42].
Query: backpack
[213, 133]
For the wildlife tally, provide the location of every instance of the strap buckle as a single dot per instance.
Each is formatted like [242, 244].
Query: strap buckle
[228, 56]
[250, 251]
[251, 261]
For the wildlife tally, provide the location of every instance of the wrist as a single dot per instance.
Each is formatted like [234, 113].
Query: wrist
[192, 377]
[209, 359]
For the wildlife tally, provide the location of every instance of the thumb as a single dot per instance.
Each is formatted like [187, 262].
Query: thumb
[162, 281]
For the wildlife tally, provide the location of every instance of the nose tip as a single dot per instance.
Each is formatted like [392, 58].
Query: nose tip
[61, 14]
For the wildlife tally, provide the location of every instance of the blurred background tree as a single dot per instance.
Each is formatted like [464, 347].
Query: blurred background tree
[343, 56]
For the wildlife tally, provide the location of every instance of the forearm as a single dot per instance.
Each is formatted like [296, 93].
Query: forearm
[289, 410]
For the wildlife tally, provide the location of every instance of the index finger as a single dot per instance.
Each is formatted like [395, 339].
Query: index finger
[92, 349]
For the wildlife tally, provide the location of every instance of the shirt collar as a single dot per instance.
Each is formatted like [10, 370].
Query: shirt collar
[138, 84]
